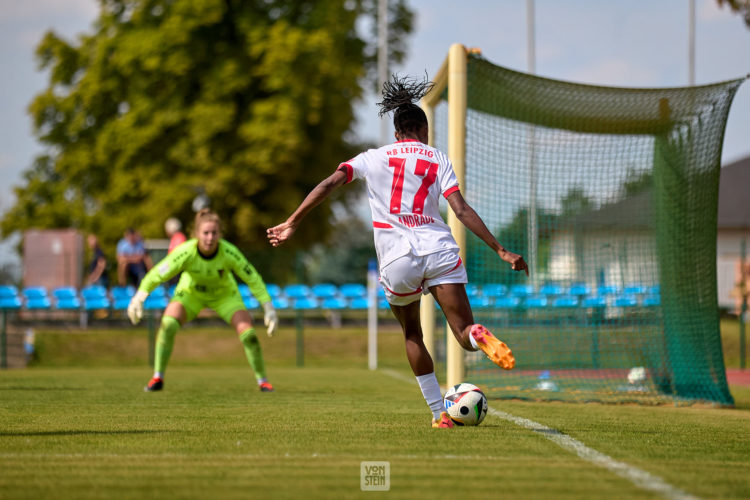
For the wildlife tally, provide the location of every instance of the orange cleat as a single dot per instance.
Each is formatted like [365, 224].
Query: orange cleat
[265, 387]
[497, 351]
[155, 384]
[444, 422]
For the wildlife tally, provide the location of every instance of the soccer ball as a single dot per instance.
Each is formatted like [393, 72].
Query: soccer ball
[465, 404]
[637, 375]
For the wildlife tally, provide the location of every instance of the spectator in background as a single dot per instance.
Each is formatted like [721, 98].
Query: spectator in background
[98, 265]
[173, 228]
[741, 290]
[132, 259]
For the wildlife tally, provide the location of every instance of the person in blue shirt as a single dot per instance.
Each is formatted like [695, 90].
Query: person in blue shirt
[132, 260]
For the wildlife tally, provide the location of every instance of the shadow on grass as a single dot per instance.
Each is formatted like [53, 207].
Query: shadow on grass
[25, 388]
[78, 433]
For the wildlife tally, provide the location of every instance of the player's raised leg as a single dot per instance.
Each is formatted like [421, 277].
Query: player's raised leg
[471, 336]
[421, 362]
[171, 320]
[243, 325]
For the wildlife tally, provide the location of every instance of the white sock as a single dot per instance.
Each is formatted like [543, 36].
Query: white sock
[262, 380]
[431, 392]
[158, 375]
[473, 342]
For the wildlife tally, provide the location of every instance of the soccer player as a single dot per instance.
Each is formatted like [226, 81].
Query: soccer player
[207, 263]
[416, 251]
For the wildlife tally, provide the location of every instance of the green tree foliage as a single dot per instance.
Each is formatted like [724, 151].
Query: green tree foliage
[247, 101]
[741, 7]
[636, 182]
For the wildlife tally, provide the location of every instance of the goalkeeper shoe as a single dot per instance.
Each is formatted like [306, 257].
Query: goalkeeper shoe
[155, 384]
[497, 351]
[444, 422]
[265, 387]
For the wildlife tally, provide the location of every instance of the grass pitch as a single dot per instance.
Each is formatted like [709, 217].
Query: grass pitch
[91, 432]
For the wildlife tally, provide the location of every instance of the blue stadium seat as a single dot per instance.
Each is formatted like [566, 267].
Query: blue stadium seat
[472, 290]
[334, 303]
[305, 303]
[479, 302]
[280, 302]
[651, 301]
[507, 302]
[359, 303]
[157, 299]
[521, 290]
[579, 290]
[36, 297]
[494, 290]
[273, 290]
[324, 291]
[634, 289]
[121, 296]
[95, 297]
[297, 291]
[605, 290]
[9, 298]
[595, 302]
[654, 290]
[66, 298]
[536, 302]
[626, 300]
[251, 302]
[551, 290]
[170, 292]
[565, 302]
[383, 304]
[352, 290]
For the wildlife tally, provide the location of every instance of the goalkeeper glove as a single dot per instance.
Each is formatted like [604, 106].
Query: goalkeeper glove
[135, 308]
[270, 318]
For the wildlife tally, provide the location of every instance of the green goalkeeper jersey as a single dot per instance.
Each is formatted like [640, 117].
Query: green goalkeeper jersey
[206, 275]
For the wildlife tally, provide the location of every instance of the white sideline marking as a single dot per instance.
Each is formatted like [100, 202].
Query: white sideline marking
[638, 477]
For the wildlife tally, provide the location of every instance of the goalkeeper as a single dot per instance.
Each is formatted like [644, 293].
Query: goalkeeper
[207, 263]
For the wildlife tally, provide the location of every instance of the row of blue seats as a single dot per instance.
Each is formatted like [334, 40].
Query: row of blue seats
[566, 301]
[328, 296]
[65, 298]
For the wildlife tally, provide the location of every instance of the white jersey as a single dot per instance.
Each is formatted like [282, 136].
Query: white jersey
[404, 183]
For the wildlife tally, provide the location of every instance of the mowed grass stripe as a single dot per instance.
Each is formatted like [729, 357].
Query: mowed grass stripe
[638, 477]
[94, 433]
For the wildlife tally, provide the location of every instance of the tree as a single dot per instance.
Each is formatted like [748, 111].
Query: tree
[575, 202]
[248, 102]
[741, 7]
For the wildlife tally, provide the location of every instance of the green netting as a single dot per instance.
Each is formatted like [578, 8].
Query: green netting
[611, 193]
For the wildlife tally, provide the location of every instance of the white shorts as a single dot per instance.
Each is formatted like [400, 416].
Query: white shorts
[406, 278]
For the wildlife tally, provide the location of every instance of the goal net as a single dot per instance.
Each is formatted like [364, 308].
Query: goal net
[611, 196]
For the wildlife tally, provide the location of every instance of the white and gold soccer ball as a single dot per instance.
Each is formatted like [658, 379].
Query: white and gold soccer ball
[465, 404]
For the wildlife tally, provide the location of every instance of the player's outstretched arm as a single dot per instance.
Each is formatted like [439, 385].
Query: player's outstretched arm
[279, 234]
[471, 219]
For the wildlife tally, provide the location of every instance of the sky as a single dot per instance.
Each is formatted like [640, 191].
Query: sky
[626, 43]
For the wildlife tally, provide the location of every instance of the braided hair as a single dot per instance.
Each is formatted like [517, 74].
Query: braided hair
[399, 96]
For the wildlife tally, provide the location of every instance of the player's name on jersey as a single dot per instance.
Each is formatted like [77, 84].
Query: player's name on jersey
[414, 150]
[415, 220]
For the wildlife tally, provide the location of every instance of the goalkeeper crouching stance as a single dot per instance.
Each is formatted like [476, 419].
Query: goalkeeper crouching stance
[206, 262]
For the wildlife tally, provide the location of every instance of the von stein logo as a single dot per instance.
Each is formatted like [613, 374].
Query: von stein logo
[375, 476]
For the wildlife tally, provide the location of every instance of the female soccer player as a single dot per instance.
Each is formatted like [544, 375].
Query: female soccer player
[207, 263]
[416, 251]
